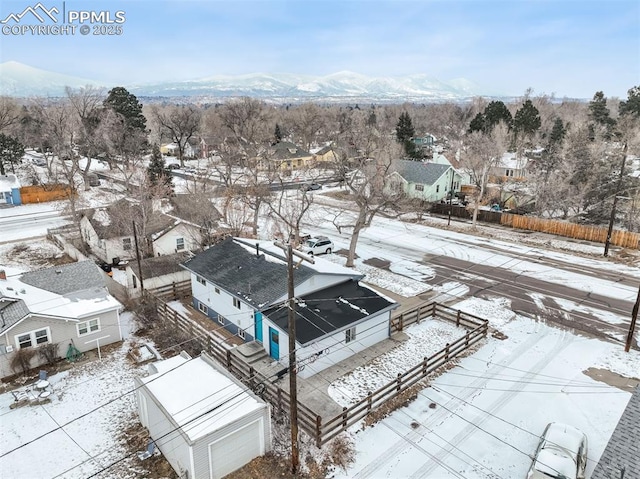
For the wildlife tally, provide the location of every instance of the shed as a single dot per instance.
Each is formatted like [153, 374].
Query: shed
[204, 421]
[10, 190]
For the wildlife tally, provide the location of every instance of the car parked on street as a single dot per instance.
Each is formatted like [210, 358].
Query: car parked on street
[561, 453]
[317, 245]
[311, 186]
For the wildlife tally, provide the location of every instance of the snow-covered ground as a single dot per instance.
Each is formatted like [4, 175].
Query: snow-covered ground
[483, 418]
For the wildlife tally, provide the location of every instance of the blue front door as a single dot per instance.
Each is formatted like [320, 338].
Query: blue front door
[257, 318]
[274, 343]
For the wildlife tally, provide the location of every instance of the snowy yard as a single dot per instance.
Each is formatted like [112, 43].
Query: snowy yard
[483, 418]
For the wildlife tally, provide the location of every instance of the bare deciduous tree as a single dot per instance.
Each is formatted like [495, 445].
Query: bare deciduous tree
[180, 123]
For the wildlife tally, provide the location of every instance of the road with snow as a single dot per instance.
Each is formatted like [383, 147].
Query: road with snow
[590, 295]
[28, 222]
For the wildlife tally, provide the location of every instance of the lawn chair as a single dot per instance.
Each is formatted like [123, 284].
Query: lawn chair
[42, 376]
[151, 449]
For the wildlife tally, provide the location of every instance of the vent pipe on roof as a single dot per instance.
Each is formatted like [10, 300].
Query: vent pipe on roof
[258, 250]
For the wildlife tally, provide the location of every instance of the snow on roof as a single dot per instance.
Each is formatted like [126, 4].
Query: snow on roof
[70, 306]
[513, 162]
[199, 398]
[8, 182]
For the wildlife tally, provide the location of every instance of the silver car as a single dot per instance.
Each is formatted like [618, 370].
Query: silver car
[561, 453]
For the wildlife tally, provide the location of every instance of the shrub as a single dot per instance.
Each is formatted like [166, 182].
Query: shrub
[21, 360]
[49, 352]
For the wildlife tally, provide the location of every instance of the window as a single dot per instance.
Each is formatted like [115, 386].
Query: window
[217, 290]
[437, 188]
[33, 338]
[350, 335]
[236, 303]
[201, 280]
[126, 244]
[203, 308]
[87, 327]
[221, 319]
[419, 187]
[241, 333]
[508, 173]
[179, 243]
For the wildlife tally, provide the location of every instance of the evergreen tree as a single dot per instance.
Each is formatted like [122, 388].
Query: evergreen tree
[404, 129]
[11, 152]
[600, 116]
[495, 112]
[157, 173]
[556, 137]
[278, 133]
[127, 105]
[479, 123]
[405, 133]
[527, 120]
[632, 105]
[372, 120]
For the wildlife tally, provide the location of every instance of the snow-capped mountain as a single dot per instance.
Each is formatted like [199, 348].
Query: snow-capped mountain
[17, 79]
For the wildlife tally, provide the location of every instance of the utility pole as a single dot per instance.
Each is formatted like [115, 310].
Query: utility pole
[135, 240]
[453, 174]
[632, 326]
[615, 201]
[293, 374]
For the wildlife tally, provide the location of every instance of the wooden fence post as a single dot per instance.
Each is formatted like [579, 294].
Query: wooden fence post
[399, 381]
[318, 431]
[229, 360]
[418, 318]
[369, 398]
[344, 417]
[466, 339]
[252, 374]
[433, 309]
[458, 319]
[424, 366]
[446, 352]
[401, 322]
[279, 398]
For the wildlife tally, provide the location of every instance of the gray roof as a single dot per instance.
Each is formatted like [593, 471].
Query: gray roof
[120, 214]
[66, 278]
[11, 311]
[623, 449]
[285, 150]
[245, 274]
[421, 172]
[160, 265]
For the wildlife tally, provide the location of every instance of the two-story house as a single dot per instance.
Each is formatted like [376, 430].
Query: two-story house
[242, 286]
[425, 180]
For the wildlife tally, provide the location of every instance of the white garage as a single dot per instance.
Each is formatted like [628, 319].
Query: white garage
[203, 420]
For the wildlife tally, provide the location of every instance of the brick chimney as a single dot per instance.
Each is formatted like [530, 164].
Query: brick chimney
[3, 274]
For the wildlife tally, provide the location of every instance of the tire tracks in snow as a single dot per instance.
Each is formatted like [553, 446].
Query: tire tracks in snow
[441, 414]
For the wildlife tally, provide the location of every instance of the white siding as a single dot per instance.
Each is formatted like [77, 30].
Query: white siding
[222, 303]
[174, 446]
[334, 348]
[166, 244]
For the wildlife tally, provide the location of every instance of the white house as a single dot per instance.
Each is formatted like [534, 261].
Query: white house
[424, 180]
[205, 422]
[510, 166]
[66, 305]
[108, 232]
[242, 285]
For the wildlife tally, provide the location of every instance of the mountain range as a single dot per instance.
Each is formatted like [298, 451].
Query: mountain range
[19, 80]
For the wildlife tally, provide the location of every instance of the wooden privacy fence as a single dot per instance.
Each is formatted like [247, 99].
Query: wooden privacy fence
[173, 291]
[625, 239]
[44, 193]
[312, 423]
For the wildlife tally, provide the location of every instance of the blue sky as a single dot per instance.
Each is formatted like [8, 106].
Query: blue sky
[569, 48]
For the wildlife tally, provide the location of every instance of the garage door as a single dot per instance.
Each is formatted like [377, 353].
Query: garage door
[236, 449]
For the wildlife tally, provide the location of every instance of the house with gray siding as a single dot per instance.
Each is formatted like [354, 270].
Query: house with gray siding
[66, 305]
[205, 422]
[241, 285]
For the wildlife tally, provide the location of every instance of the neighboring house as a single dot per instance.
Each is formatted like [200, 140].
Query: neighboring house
[67, 305]
[157, 272]
[9, 190]
[425, 142]
[326, 153]
[425, 181]
[206, 423]
[621, 457]
[108, 232]
[285, 155]
[510, 167]
[242, 285]
[171, 149]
